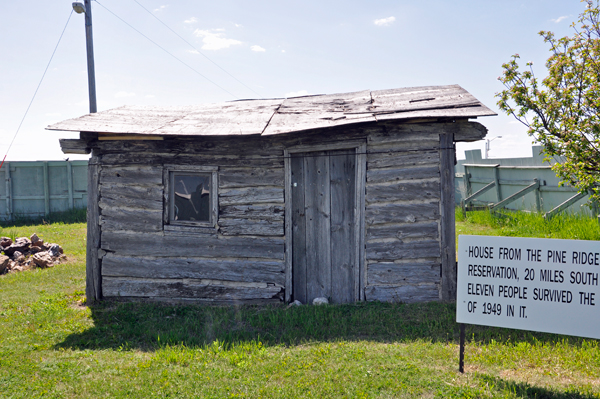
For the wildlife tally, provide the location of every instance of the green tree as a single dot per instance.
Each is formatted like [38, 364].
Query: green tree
[562, 110]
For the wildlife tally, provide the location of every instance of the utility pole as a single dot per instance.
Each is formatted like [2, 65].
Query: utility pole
[86, 8]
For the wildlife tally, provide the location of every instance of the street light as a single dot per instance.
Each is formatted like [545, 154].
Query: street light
[487, 145]
[86, 8]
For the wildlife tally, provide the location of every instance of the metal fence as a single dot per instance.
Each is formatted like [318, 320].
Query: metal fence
[515, 183]
[33, 189]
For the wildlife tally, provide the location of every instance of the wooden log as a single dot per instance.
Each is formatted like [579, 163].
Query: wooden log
[264, 212]
[400, 160]
[125, 287]
[244, 270]
[151, 203]
[74, 146]
[390, 251]
[136, 175]
[250, 177]
[389, 273]
[402, 213]
[194, 246]
[160, 158]
[406, 191]
[214, 146]
[469, 131]
[392, 175]
[252, 227]
[403, 147]
[131, 219]
[254, 195]
[402, 231]
[405, 132]
[403, 293]
[93, 286]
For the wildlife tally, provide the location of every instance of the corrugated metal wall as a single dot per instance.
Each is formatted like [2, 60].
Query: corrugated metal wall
[32, 189]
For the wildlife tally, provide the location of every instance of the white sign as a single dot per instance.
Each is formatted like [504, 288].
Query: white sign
[531, 284]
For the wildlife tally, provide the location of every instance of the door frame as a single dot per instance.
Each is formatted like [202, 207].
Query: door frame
[360, 272]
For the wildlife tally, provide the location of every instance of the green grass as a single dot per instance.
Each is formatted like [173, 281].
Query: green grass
[524, 224]
[53, 346]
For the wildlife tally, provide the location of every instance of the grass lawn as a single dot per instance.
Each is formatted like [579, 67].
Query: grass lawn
[52, 345]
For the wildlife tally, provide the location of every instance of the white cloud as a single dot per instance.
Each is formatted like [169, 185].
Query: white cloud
[384, 21]
[283, 51]
[215, 41]
[121, 94]
[150, 96]
[160, 8]
[296, 93]
[257, 49]
[192, 20]
[557, 20]
[193, 51]
[239, 25]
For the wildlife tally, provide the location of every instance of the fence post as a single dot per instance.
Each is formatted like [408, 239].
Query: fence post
[46, 190]
[70, 184]
[538, 200]
[497, 181]
[9, 202]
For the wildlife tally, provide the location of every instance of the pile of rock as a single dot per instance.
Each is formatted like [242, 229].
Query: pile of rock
[27, 253]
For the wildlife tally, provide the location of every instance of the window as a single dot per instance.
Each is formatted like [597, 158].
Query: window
[191, 197]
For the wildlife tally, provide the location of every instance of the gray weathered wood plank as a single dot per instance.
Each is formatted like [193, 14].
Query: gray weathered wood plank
[204, 158]
[399, 160]
[342, 169]
[317, 202]
[202, 246]
[403, 231]
[403, 293]
[139, 219]
[117, 287]
[403, 147]
[250, 177]
[93, 287]
[298, 212]
[390, 251]
[74, 146]
[244, 270]
[136, 175]
[401, 213]
[264, 212]
[405, 191]
[390, 273]
[447, 222]
[254, 195]
[391, 175]
[253, 227]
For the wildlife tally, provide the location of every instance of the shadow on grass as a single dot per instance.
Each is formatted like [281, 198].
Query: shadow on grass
[525, 390]
[66, 217]
[148, 326]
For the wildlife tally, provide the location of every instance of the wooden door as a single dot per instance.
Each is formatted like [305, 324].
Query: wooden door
[323, 225]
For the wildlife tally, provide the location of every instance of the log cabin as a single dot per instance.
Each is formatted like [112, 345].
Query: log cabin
[344, 196]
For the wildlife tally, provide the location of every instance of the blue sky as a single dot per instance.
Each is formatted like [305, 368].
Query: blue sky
[275, 48]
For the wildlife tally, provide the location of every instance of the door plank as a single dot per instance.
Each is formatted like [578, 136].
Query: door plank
[318, 227]
[342, 166]
[298, 228]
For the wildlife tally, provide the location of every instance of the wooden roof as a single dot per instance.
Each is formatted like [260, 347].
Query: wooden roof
[277, 116]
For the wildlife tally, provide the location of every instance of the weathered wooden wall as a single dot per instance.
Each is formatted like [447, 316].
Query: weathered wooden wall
[243, 258]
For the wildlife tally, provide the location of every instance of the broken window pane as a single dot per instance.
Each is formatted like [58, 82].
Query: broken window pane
[191, 197]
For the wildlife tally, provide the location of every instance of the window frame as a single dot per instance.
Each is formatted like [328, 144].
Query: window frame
[168, 171]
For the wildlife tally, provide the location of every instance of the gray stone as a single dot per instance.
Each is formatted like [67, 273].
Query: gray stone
[55, 250]
[5, 242]
[320, 301]
[21, 244]
[4, 263]
[43, 259]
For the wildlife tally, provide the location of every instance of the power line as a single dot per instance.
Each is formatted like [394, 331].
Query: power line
[199, 52]
[167, 51]
[36, 90]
